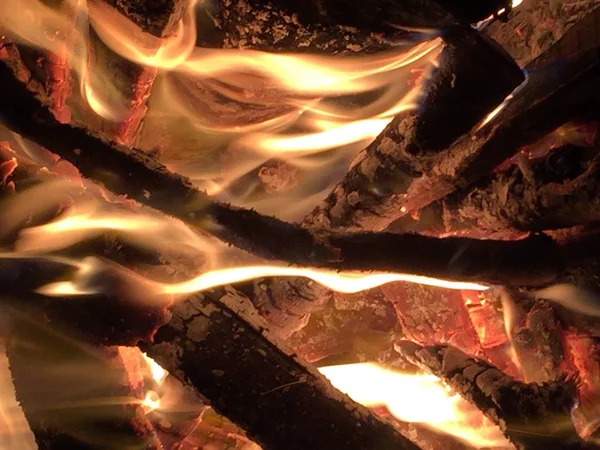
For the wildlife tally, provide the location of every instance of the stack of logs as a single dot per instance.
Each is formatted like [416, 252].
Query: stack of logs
[444, 181]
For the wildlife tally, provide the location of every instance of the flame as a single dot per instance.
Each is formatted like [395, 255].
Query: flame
[88, 219]
[158, 373]
[416, 398]
[15, 433]
[302, 91]
[151, 401]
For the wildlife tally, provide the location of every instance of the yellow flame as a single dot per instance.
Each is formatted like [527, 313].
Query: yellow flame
[335, 136]
[151, 401]
[346, 282]
[416, 398]
[158, 373]
[235, 74]
[74, 228]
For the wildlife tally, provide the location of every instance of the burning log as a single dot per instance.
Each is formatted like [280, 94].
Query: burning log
[52, 68]
[517, 408]
[554, 192]
[199, 347]
[537, 24]
[138, 175]
[372, 193]
[157, 18]
[133, 82]
[218, 345]
[380, 15]
[548, 100]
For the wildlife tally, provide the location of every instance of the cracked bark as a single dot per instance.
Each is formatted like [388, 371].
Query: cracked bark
[142, 178]
[470, 71]
[215, 344]
[554, 192]
[531, 415]
[207, 345]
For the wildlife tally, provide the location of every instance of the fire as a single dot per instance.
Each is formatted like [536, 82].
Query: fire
[408, 397]
[75, 227]
[418, 398]
[308, 116]
[151, 402]
[158, 373]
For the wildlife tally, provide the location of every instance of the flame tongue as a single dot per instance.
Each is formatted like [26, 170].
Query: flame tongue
[416, 398]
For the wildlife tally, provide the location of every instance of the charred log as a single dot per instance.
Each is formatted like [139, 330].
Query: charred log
[216, 344]
[142, 178]
[557, 191]
[537, 24]
[471, 72]
[52, 69]
[132, 82]
[532, 416]
[547, 100]
[231, 361]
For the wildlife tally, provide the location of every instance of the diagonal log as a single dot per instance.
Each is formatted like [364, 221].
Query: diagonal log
[557, 191]
[532, 416]
[472, 73]
[142, 178]
[556, 91]
[215, 343]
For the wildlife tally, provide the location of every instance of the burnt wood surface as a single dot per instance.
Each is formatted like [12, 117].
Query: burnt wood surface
[472, 75]
[536, 25]
[552, 95]
[557, 191]
[215, 343]
[279, 400]
[532, 416]
[142, 178]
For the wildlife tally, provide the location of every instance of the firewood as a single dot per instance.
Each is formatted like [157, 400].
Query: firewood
[142, 178]
[157, 17]
[133, 82]
[556, 191]
[362, 200]
[52, 69]
[531, 415]
[216, 344]
[547, 100]
[472, 73]
[381, 15]
[276, 398]
[537, 24]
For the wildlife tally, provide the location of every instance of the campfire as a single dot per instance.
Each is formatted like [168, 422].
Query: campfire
[319, 225]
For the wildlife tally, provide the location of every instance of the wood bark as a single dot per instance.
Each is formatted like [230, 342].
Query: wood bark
[554, 192]
[132, 82]
[470, 72]
[216, 344]
[52, 69]
[547, 100]
[73, 395]
[536, 25]
[532, 416]
[142, 178]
